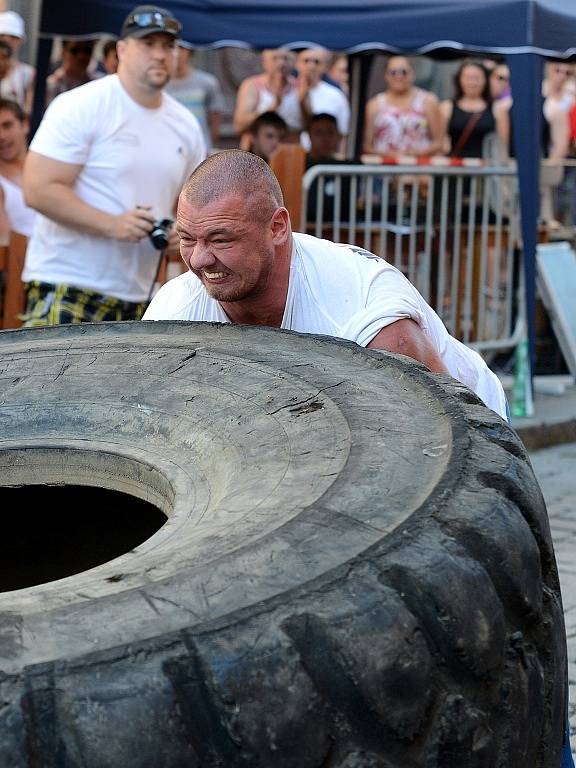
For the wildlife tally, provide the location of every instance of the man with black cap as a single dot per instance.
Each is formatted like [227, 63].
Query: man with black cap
[105, 167]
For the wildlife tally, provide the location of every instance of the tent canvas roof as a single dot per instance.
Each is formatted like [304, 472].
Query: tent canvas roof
[508, 26]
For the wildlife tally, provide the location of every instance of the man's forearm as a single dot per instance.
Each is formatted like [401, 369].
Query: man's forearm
[305, 107]
[243, 119]
[61, 204]
[214, 120]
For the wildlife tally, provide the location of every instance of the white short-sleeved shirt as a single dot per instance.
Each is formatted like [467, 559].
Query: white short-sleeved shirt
[346, 292]
[130, 156]
[326, 98]
[20, 216]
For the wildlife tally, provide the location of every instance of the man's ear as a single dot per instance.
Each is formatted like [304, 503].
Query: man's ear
[280, 226]
[120, 48]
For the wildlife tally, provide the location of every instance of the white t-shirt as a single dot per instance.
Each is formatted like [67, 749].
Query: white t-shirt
[326, 98]
[347, 292]
[20, 217]
[131, 156]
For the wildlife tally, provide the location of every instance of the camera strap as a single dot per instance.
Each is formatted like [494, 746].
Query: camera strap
[158, 268]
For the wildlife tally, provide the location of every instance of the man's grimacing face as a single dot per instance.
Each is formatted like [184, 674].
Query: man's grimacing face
[229, 245]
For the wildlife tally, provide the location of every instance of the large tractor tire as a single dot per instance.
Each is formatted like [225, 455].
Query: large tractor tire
[356, 569]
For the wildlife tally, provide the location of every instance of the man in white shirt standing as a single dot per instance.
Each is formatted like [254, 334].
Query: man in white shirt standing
[105, 166]
[246, 266]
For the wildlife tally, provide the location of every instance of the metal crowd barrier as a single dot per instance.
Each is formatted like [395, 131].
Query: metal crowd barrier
[558, 193]
[454, 231]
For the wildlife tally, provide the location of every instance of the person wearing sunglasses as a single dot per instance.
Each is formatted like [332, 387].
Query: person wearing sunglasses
[559, 85]
[73, 71]
[471, 116]
[104, 171]
[274, 90]
[500, 83]
[404, 119]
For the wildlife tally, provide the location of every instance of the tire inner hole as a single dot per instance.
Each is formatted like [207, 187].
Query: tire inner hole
[53, 531]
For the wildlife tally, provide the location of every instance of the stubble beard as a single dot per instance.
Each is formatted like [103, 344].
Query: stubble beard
[224, 294]
[154, 84]
[233, 293]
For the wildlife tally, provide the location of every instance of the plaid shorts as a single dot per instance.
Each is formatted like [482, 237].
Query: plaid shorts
[48, 304]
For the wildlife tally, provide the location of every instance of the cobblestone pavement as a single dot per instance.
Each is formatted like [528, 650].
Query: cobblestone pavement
[555, 469]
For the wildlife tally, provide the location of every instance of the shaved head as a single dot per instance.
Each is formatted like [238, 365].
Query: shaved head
[234, 173]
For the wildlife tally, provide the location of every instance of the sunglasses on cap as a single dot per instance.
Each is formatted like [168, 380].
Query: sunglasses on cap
[153, 20]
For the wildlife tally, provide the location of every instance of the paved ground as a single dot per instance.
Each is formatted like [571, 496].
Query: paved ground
[555, 468]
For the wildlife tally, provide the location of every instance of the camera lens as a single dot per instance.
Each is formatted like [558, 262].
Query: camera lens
[159, 234]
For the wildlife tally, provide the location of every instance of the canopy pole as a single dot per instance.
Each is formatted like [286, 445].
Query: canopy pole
[526, 72]
[42, 71]
[359, 68]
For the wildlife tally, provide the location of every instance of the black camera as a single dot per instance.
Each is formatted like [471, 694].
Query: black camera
[160, 233]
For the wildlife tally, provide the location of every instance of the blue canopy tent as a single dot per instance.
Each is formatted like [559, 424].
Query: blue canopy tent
[525, 31]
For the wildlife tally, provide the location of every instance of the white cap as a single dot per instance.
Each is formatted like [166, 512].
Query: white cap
[11, 24]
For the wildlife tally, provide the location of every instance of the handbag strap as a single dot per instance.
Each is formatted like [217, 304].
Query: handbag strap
[466, 133]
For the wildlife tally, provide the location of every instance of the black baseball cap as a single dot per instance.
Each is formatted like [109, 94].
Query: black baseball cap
[148, 19]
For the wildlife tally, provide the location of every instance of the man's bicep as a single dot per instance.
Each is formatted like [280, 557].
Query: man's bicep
[405, 337]
[40, 170]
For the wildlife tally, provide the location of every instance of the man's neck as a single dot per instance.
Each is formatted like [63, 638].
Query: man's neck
[75, 73]
[12, 169]
[312, 81]
[151, 98]
[182, 73]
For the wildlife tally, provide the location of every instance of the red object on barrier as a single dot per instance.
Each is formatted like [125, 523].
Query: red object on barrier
[437, 161]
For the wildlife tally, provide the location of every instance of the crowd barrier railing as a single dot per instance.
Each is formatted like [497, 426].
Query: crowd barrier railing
[452, 228]
[558, 194]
